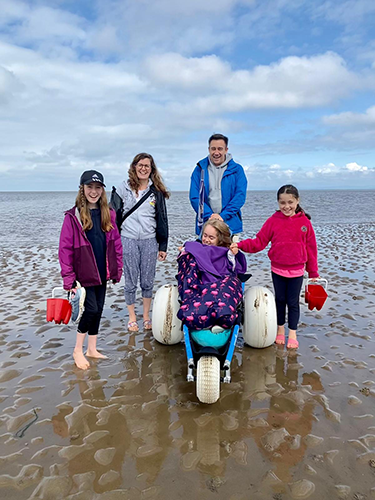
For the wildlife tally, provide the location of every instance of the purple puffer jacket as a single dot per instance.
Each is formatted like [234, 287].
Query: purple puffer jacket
[76, 256]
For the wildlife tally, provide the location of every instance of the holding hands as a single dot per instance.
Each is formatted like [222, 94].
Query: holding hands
[234, 248]
[216, 217]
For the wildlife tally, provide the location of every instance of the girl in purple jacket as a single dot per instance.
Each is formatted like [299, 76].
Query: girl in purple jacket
[293, 250]
[90, 252]
[208, 285]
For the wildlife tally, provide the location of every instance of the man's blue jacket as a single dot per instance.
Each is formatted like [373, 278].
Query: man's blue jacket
[233, 193]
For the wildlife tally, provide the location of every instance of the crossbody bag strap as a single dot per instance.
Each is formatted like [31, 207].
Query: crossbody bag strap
[137, 205]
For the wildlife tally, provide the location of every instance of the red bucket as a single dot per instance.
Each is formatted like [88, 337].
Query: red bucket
[316, 294]
[58, 310]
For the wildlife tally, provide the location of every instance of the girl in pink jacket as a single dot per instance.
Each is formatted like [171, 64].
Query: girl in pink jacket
[90, 252]
[293, 250]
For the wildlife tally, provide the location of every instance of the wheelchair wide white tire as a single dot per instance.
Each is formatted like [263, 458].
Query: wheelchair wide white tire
[260, 322]
[208, 379]
[166, 327]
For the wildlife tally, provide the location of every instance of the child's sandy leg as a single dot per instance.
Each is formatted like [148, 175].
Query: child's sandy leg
[292, 334]
[280, 330]
[131, 311]
[91, 348]
[78, 356]
[146, 308]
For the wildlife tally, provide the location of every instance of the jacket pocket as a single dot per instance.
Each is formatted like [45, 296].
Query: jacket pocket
[85, 266]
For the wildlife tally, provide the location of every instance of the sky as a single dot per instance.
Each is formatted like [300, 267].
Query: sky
[88, 84]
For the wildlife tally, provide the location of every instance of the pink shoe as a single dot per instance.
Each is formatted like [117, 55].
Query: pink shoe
[292, 344]
[280, 340]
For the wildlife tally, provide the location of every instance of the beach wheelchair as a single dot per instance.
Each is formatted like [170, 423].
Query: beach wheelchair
[209, 352]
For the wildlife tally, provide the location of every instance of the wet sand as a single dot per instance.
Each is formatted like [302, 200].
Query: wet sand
[289, 426]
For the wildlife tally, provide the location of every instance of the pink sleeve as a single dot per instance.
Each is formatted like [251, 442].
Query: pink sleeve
[259, 242]
[312, 253]
[66, 252]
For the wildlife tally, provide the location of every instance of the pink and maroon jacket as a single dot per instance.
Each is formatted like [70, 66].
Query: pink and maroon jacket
[293, 242]
[76, 256]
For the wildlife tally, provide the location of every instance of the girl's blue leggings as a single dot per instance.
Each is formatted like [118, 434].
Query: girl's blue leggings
[287, 293]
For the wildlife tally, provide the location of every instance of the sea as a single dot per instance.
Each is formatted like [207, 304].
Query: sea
[35, 218]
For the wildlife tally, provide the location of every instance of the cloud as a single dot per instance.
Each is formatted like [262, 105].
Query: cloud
[352, 129]
[292, 82]
[351, 119]
[348, 13]
[8, 84]
[195, 73]
[41, 26]
[350, 174]
[354, 167]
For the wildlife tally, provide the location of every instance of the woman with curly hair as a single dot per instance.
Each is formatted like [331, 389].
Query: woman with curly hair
[144, 233]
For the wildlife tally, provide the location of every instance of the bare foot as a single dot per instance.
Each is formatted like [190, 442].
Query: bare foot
[80, 360]
[95, 354]
[280, 337]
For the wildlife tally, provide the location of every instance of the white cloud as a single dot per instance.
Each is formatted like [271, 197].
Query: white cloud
[327, 169]
[349, 119]
[205, 73]
[353, 173]
[348, 13]
[292, 82]
[354, 167]
[8, 84]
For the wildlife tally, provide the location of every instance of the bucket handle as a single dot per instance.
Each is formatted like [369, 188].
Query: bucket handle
[320, 281]
[54, 290]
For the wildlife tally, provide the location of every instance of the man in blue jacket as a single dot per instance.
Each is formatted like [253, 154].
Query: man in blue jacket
[218, 186]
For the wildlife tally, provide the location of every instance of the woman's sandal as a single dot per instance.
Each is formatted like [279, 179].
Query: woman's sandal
[147, 325]
[292, 344]
[133, 326]
[280, 340]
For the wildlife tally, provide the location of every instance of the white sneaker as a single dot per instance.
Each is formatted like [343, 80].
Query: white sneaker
[77, 299]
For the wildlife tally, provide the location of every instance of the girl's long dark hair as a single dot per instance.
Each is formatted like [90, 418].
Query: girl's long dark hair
[154, 176]
[290, 189]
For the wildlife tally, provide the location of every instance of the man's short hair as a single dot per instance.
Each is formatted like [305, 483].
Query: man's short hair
[218, 137]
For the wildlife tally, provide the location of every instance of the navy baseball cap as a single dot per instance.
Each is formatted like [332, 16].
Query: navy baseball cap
[92, 176]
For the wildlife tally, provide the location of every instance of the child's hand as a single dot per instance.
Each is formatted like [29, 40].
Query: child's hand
[162, 256]
[234, 248]
[216, 217]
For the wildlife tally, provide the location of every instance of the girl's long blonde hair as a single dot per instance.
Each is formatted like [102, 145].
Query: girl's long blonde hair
[154, 176]
[84, 211]
[224, 238]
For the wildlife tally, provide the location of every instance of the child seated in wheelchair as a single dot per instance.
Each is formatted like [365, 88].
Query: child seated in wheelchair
[209, 288]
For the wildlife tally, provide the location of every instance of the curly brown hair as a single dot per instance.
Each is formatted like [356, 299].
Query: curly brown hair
[84, 211]
[154, 176]
[223, 232]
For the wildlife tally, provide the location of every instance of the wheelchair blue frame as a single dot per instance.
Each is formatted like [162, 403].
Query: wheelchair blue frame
[193, 354]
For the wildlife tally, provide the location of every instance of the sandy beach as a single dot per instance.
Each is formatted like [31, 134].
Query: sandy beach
[291, 425]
